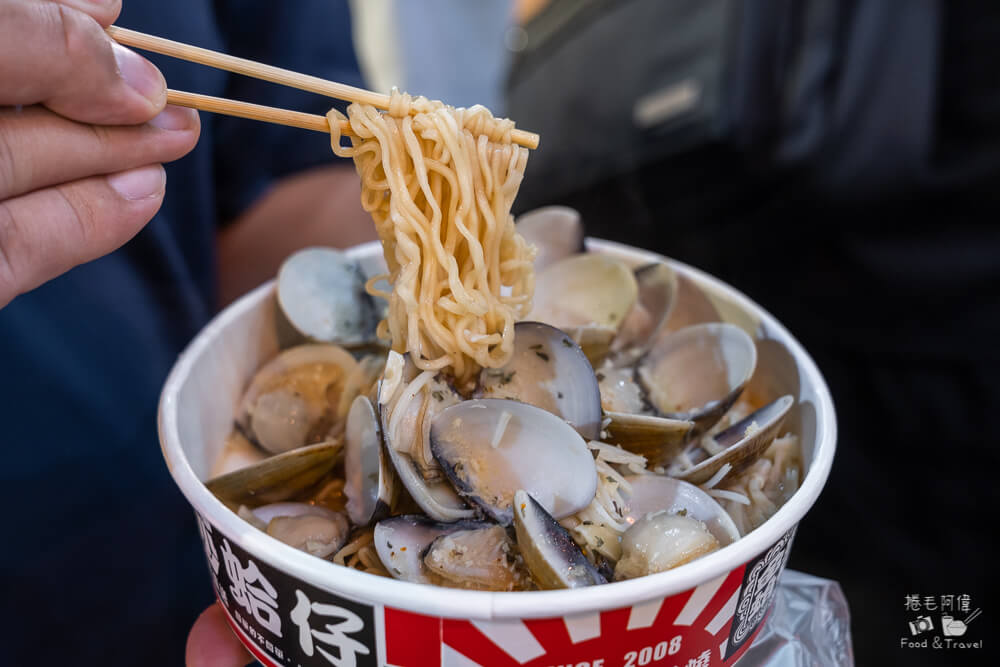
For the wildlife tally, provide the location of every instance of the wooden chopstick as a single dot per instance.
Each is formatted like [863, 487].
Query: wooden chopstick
[306, 121]
[267, 73]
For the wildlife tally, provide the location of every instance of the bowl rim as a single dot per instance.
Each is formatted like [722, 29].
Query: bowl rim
[482, 605]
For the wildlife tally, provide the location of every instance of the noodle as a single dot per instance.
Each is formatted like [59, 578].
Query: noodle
[440, 185]
[360, 554]
[599, 526]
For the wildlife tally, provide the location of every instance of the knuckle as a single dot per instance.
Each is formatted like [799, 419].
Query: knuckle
[80, 34]
[7, 170]
[84, 214]
[8, 234]
[74, 40]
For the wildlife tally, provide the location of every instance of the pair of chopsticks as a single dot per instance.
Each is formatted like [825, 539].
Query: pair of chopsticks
[267, 73]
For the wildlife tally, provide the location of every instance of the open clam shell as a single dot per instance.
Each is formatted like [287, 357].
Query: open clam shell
[293, 399]
[407, 407]
[657, 292]
[490, 448]
[237, 452]
[401, 543]
[551, 555]
[655, 493]
[588, 297]
[369, 480]
[555, 231]
[321, 293]
[276, 478]
[548, 370]
[697, 373]
[743, 442]
[659, 439]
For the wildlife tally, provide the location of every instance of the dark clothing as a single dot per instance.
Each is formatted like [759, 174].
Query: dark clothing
[877, 245]
[101, 562]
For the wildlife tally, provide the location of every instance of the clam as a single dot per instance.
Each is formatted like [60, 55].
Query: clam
[369, 480]
[482, 558]
[659, 439]
[661, 541]
[278, 477]
[321, 293]
[237, 452]
[489, 448]
[630, 420]
[548, 370]
[551, 555]
[697, 373]
[555, 231]
[588, 297]
[657, 291]
[408, 402]
[739, 445]
[310, 528]
[655, 493]
[293, 400]
[402, 542]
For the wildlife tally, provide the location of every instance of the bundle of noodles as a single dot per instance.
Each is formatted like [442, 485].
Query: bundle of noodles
[359, 553]
[754, 495]
[440, 184]
[598, 527]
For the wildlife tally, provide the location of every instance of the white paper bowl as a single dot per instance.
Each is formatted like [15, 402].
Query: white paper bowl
[291, 608]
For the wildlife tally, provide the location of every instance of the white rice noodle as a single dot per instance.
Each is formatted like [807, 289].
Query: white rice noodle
[500, 429]
[597, 528]
[767, 484]
[709, 444]
[616, 454]
[717, 477]
[729, 495]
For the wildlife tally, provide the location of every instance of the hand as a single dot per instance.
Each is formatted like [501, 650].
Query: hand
[83, 130]
[212, 644]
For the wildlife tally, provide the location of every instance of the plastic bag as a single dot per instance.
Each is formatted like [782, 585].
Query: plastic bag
[810, 626]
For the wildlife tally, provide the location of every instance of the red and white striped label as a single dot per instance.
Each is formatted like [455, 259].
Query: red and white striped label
[288, 623]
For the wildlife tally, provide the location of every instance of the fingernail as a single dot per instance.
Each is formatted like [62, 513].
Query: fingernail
[140, 74]
[141, 183]
[175, 118]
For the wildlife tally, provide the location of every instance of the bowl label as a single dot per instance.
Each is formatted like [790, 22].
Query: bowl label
[283, 620]
[760, 579]
[287, 622]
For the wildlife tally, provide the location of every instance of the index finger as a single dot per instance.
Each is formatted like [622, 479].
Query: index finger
[104, 12]
[59, 56]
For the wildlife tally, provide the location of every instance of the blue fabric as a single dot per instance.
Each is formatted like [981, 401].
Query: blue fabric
[101, 563]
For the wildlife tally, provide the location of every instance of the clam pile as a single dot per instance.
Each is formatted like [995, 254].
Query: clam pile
[616, 442]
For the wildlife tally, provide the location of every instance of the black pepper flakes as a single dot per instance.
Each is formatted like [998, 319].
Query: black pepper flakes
[542, 355]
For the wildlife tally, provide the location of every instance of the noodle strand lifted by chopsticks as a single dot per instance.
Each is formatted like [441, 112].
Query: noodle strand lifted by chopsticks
[440, 185]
